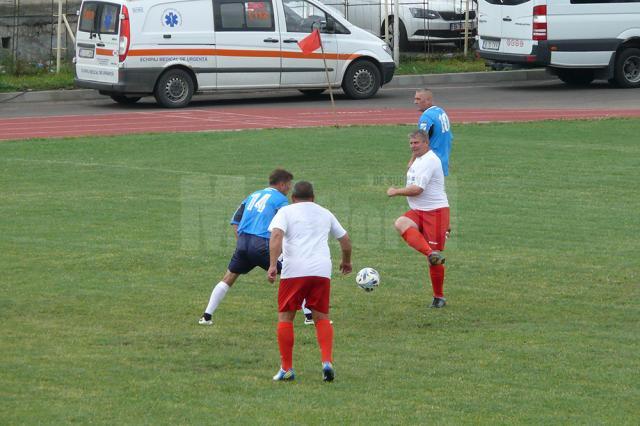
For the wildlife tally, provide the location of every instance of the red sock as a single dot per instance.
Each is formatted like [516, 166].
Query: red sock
[285, 342]
[324, 332]
[437, 280]
[415, 239]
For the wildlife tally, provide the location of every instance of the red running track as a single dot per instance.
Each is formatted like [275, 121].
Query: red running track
[195, 120]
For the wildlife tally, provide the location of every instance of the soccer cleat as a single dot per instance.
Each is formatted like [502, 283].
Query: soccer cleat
[308, 319]
[284, 376]
[204, 321]
[438, 302]
[436, 258]
[328, 373]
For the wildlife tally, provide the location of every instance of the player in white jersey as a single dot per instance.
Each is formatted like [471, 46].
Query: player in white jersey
[300, 232]
[424, 227]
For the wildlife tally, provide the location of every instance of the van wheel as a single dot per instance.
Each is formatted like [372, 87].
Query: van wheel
[627, 71]
[174, 89]
[362, 80]
[126, 100]
[312, 92]
[576, 77]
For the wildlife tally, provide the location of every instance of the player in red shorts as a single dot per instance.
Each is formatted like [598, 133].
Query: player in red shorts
[300, 232]
[424, 227]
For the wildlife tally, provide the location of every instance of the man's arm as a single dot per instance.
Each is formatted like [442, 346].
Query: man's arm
[345, 247]
[237, 217]
[409, 191]
[275, 250]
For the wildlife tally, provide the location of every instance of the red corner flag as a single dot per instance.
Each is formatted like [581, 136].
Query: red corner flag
[310, 42]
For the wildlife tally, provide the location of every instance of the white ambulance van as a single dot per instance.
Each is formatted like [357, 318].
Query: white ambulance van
[578, 40]
[172, 49]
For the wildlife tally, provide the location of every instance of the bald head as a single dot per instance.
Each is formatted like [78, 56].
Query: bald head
[423, 99]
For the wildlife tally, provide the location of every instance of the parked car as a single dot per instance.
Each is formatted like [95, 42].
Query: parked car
[577, 40]
[431, 21]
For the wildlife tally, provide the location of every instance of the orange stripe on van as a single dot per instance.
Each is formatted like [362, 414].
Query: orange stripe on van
[104, 52]
[239, 53]
[171, 52]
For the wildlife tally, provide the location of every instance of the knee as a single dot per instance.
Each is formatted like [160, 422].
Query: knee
[401, 225]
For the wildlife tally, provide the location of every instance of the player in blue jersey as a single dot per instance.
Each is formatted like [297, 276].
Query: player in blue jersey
[435, 121]
[251, 221]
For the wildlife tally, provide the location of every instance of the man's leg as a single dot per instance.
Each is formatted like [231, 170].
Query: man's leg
[318, 302]
[436, 227]
[218, 293]
[308, 317]
[410, 232]
[324, 333]
[286, 339]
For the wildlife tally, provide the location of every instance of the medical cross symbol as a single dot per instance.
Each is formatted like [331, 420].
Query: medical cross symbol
[171, 19]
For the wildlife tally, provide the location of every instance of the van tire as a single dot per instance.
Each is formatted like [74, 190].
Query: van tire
[627, 70]
[576, 77]
[312, 92]
[126, 100]
[362, 80]
[174, 89]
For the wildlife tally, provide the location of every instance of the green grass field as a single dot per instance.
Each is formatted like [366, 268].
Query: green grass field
[110, 248]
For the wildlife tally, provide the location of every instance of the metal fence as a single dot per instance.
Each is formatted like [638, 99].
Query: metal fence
[28, 28]
[28, 32]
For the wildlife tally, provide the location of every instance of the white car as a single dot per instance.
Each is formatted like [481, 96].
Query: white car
[430, 21]
[577, 40]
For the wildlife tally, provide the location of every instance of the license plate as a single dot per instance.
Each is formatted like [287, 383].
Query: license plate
[85, 53]
[459, 26]
[491, 44]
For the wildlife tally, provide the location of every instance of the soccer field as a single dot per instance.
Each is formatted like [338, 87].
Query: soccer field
[111, 246]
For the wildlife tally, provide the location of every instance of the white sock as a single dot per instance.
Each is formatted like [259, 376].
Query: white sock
[304, 308]
[218, 293]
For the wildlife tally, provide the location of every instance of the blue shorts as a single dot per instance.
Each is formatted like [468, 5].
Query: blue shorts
[251, 251]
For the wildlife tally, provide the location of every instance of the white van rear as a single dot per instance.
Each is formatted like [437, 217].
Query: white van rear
[578, 40]
[172, 49]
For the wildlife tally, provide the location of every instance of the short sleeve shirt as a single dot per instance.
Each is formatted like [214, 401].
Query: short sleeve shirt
[259, 208]
[435, 121]
[305, 247]
[426, 172]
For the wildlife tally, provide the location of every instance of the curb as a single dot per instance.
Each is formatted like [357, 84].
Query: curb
[468, 77]
[409, 81]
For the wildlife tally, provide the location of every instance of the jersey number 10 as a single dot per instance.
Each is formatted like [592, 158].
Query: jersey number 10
[444, 122]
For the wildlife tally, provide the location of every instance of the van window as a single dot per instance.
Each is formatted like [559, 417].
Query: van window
[109, 19]
[239, 15]
[88, 17]
[98, 17]
[302, 16]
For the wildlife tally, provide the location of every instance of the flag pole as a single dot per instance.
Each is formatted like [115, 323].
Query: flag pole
[326, 71]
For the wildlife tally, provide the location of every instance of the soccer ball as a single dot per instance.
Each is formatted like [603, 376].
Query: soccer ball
[368, 279]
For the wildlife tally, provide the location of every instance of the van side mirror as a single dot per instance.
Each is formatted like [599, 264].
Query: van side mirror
[328, 26]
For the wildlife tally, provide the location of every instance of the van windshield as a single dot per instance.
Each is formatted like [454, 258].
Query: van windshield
[99, 18]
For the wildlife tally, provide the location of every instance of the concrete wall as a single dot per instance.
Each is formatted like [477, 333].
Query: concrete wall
[28, 29]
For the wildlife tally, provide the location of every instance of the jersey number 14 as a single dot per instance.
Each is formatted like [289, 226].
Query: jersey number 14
[259, 204]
